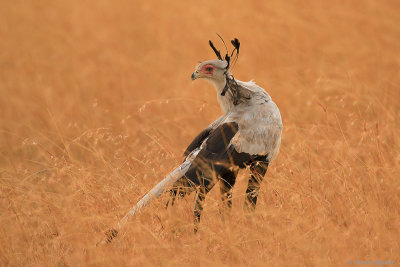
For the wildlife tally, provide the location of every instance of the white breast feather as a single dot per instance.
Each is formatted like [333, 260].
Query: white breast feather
[260, 124]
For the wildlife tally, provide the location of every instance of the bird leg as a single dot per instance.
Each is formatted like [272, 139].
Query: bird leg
[258, 170]
[228, 180]
[199, 202]
[198, 207]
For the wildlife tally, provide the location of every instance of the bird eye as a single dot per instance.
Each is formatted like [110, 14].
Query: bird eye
[209, 69]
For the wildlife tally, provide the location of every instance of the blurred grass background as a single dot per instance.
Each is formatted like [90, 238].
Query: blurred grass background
[97, 106]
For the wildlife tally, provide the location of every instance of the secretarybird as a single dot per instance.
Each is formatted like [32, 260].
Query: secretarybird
[248, 134]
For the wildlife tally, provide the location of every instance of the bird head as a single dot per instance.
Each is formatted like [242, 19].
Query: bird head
[211, 69]
[218, 70]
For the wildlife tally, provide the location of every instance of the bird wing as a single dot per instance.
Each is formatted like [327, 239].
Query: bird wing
[252, 132]
[198, 140]
[216, 155]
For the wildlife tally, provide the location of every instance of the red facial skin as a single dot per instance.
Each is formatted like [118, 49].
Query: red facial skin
[208, 69]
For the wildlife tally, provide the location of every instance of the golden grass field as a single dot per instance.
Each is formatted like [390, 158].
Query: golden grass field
[97, 106]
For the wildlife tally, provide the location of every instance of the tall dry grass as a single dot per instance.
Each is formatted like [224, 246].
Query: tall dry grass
[97, 106]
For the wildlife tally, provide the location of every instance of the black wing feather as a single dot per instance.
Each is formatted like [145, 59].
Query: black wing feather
[197, 141]
[217, 155]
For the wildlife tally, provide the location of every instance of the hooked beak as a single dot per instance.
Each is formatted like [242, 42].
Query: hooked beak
[195, 75]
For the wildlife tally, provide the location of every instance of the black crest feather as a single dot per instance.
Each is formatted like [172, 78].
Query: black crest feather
[230, 60]
[236, 44]
[215, 50]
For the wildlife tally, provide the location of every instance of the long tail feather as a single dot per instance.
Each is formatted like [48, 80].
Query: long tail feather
[153, 194]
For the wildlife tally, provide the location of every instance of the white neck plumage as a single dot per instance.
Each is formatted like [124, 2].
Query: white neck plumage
[226, 101]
